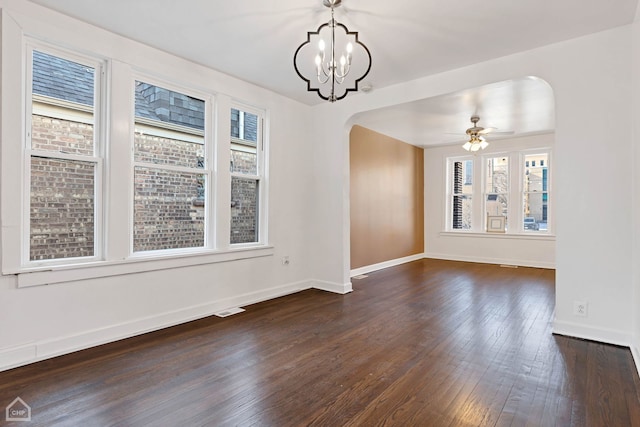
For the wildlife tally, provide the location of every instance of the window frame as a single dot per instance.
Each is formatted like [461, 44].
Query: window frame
[100, 125]
[260, 176]
[515, 194]
[450, 193]
[208, 171]
[548, 166]
[116, 112]
[485, 194]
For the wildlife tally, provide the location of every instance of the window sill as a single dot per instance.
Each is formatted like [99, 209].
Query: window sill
[518, 236]
[49, 275]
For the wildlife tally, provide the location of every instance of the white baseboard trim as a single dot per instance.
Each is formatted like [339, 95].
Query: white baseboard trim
[336, 288]
[608, 336]
[385, 264]
[499, 261]
[16, 356]
[46, 349]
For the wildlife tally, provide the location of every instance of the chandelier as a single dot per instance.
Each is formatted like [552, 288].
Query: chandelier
[330, 76]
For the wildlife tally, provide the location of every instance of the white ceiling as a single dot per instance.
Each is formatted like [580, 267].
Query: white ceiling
[523, 106]
[255, 40]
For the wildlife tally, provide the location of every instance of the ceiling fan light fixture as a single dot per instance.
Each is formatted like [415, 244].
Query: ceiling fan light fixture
[476, 142]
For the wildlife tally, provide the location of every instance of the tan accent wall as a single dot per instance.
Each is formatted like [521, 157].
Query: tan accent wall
[386, 197]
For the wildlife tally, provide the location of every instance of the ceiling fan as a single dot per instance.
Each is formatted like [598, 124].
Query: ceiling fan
[476, 139]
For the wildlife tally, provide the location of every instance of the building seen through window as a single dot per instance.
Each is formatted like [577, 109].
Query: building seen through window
[62, 157]
[521, 200]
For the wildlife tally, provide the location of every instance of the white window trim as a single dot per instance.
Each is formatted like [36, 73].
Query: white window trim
[261, 176]
[482, 226]
[99, 136]
[549, 166]
[515, 193]
[449, 194]
[208, 171]
[115, 123]
[69, 273]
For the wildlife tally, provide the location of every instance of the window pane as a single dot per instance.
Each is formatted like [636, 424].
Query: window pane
[60, 135]
[169, 127]
[244, 125]
[166, 151]
[244, 161]
[244, 134]
[497, 178]
[497, 204]
[244, 210]
[168, 214]
[62, 105]
[463, 177]
[461, 212]
[163, 105]
[535, 178]
[535, 195]
[462, 188]
[61, 208]
[535, 211]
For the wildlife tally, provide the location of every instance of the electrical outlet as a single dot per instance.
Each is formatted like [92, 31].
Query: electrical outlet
[285, 260]
[580, 308]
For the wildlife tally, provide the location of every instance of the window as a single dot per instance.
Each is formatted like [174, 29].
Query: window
[515, 185]
[246, 175]
[170, 170]
[96, 205]
[63, 152]
[535, 195]
[460, 193]
[496, 189]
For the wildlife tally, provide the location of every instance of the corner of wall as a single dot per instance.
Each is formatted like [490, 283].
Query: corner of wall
[608, 336]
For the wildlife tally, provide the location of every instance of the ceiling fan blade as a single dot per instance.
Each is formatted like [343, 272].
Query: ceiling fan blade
[504, 132]
[487, 130]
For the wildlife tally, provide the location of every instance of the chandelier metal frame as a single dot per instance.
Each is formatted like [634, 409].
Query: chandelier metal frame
[332, 71]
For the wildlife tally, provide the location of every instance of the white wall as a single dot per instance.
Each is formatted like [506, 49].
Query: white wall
[532, 250]
[43, 321]
[591, 79]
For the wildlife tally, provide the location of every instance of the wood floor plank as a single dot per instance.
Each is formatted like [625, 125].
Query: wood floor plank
[428, 343]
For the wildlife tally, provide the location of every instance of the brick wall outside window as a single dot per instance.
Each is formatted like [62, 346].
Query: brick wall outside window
[62, 191]
[168, 207]
[165, 215]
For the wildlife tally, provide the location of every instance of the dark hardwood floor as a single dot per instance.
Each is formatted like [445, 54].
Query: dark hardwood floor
[429, 343]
